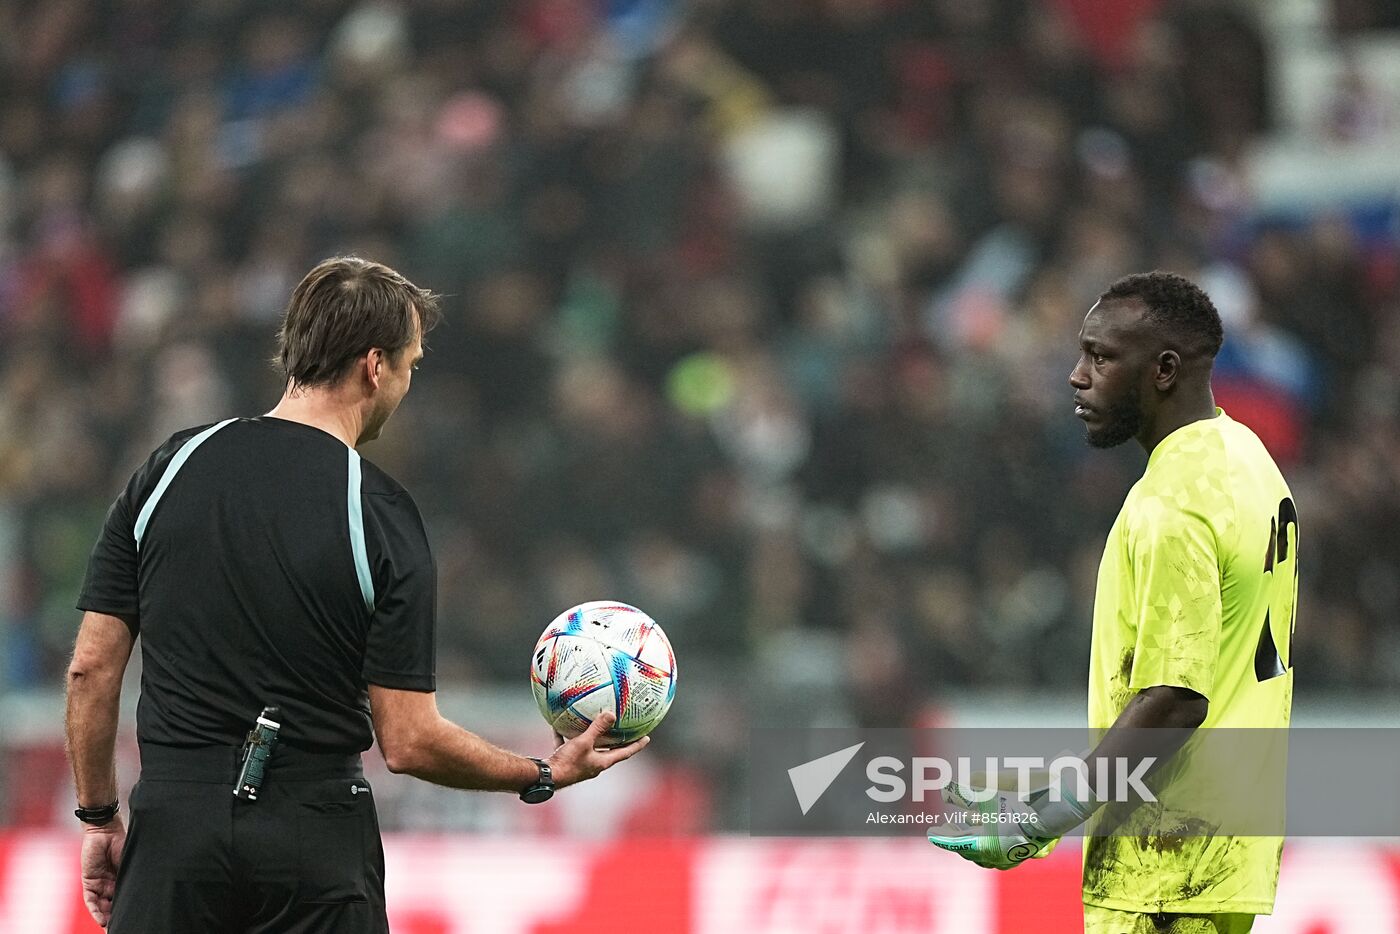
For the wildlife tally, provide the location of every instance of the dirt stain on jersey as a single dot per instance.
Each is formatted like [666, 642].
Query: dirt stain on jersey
[1118, 685]
[1173, 841]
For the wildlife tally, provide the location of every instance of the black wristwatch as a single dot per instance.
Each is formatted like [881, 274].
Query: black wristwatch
[543, 788]
[97, 816]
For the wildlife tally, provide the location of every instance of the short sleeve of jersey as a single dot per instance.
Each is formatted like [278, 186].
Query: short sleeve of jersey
[111, 582]
[400, 647]
[110, 585]
[1176, 573]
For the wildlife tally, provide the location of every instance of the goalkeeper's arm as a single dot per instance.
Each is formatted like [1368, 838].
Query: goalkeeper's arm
[1154, 725]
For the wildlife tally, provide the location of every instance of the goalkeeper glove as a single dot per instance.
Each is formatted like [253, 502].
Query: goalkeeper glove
[1003, 832]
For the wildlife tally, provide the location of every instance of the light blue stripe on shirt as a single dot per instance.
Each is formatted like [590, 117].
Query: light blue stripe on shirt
[171, 469]
[357, 532]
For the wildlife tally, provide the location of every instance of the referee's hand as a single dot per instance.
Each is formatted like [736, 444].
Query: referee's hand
[580, 758]
[101, 856]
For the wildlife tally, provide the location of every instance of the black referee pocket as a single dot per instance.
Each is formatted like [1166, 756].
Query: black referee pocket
[332, 830]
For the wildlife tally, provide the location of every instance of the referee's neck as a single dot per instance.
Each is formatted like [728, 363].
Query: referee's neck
[333, 410]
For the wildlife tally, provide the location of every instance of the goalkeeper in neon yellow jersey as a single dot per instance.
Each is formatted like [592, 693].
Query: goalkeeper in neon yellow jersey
[1193, 614]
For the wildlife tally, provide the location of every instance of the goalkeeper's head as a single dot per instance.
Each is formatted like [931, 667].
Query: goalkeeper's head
[352, 334]
[1146, 350]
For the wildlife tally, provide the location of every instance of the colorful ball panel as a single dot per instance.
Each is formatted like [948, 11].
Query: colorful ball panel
[603, 656]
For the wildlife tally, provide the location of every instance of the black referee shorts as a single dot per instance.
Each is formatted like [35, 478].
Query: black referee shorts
[305, 858]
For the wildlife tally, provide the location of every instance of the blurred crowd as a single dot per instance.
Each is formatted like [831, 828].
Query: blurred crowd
[759, 313]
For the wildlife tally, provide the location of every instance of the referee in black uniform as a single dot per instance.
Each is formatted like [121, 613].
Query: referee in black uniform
[263, 563]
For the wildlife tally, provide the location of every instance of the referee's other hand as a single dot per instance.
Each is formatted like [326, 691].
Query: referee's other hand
[580, 758]
[101, 857]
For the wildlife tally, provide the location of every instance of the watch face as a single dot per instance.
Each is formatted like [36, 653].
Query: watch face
[537, 795]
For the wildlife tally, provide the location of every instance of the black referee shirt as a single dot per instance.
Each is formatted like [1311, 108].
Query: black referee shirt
[263, 562]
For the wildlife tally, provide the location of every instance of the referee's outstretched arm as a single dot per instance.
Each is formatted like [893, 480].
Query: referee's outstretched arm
[417, 740]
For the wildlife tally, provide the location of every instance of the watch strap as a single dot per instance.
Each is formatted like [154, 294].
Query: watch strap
[542, 789]
[98, 816]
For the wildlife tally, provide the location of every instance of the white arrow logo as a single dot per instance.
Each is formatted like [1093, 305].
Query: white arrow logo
[810, 780]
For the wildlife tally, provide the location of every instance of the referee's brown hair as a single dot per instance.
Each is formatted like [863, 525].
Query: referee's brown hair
[344, 306]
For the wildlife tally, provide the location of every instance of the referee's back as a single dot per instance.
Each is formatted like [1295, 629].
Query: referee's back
[262, 563]
[273, 566]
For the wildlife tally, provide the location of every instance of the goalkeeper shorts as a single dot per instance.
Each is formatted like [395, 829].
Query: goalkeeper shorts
[1111, 921]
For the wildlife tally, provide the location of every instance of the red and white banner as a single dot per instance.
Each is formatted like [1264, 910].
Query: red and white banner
[726, 885]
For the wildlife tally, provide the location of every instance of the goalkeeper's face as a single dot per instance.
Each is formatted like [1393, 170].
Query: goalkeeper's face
[1108, 377]
[1120, 421]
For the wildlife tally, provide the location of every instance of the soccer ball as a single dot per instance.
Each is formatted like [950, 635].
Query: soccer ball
[603, 656]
